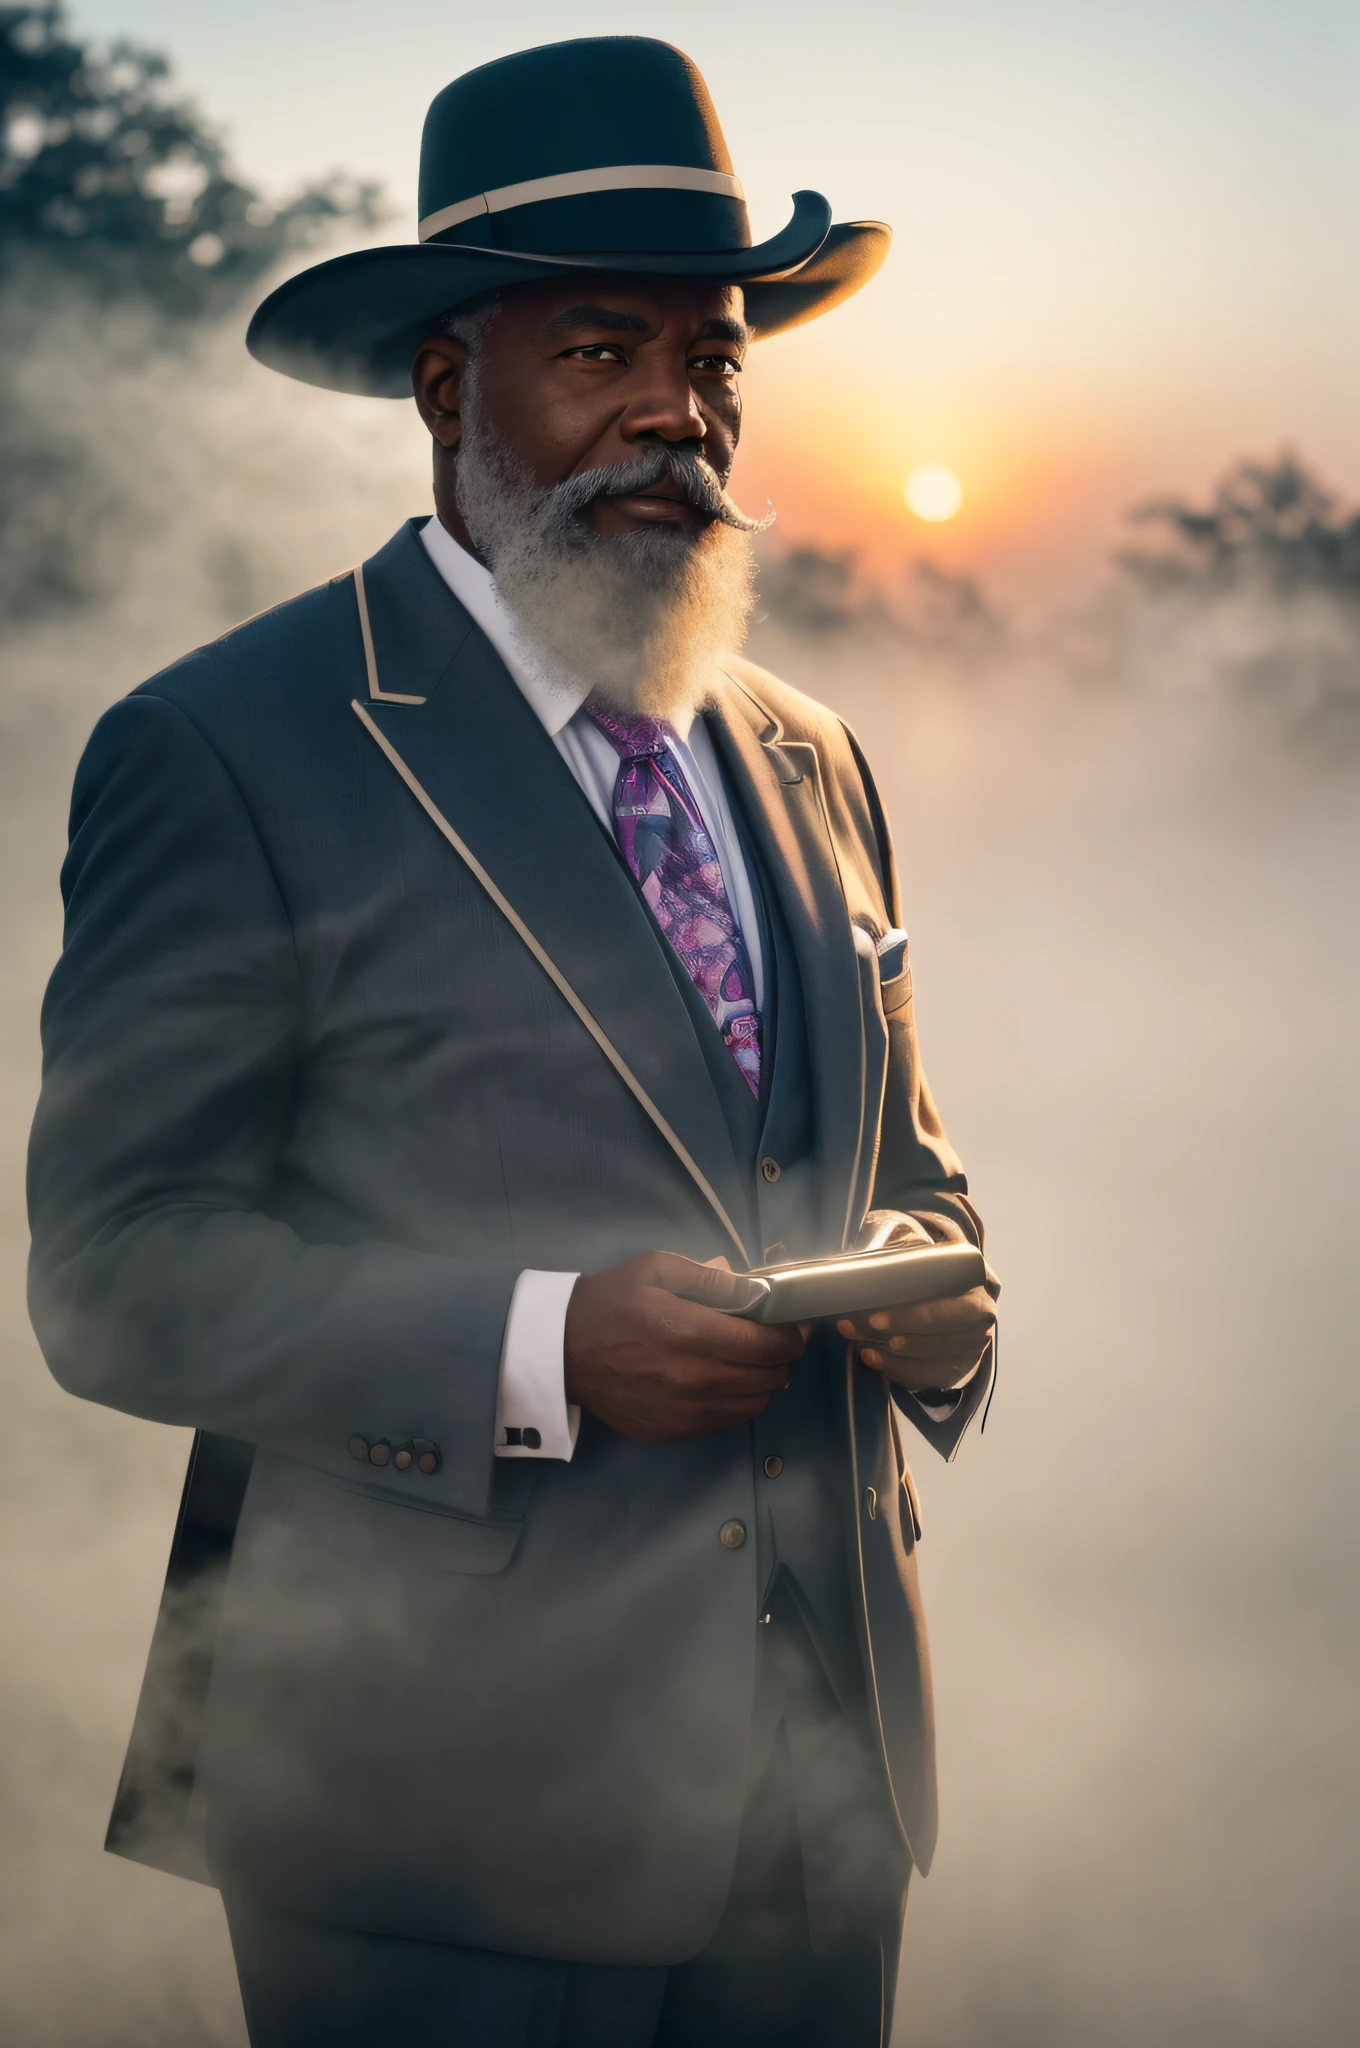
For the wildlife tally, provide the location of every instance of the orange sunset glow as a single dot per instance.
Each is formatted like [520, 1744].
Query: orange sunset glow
[1035, 506]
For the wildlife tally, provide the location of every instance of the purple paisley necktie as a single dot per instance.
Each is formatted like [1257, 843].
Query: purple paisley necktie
[666, 844]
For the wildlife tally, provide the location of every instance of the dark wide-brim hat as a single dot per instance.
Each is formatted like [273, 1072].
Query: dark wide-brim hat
[599, 154]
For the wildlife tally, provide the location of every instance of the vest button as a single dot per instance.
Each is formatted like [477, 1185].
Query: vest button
[380, 1452]
[358, 1447]
[732, 1535]
[770, 1168]
[773, 1466]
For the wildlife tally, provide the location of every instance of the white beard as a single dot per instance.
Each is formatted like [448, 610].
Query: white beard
[638, 622]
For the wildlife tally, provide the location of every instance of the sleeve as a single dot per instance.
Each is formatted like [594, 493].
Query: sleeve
[173, 1031]
[534, 1418]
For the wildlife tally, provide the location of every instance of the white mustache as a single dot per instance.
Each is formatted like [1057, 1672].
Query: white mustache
[700, 483]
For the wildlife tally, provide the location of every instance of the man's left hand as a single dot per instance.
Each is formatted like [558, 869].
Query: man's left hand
[930, 1343]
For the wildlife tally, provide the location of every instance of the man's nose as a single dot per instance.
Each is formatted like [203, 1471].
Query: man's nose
[664, 407]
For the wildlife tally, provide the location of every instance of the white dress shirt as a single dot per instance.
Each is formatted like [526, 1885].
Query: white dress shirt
[532, 1392]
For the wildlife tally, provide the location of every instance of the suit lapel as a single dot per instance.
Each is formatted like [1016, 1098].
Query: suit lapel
[779, 784]
[451, 721]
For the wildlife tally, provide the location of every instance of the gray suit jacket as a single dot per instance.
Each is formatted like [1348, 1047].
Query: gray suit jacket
[359, 1014]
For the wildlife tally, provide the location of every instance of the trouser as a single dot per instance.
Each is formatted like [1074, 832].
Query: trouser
[805, 1955]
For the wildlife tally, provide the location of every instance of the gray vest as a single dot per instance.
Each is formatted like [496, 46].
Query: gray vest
[799, 1528]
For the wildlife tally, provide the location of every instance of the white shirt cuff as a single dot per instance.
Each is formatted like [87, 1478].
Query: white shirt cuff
[534, 1418]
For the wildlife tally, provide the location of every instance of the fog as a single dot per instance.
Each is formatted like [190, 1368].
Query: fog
[1129, 884]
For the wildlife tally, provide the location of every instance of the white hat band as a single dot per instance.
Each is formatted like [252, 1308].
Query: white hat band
[571, 184]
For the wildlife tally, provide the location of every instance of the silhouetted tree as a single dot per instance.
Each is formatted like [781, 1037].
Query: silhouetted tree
[124, 234]
[944, 608]
[812, 590]
[1271, 526]
[823, 592]
[1274, 535]
[123, 189]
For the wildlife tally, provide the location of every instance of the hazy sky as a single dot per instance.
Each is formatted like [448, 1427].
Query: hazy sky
[1126, 229]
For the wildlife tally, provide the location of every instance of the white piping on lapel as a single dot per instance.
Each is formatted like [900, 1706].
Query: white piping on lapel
[375, 694]
[852, 1205]
[549, 966]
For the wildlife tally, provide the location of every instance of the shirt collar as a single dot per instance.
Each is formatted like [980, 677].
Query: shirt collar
[554, 704]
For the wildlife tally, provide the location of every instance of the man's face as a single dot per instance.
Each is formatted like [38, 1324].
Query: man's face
[579, 375]
[582, 457]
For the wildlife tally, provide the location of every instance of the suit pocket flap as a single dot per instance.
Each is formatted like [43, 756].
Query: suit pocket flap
[388, 1535]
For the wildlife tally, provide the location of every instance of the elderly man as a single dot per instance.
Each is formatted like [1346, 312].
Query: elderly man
[471, 968]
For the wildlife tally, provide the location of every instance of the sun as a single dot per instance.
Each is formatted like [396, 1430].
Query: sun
[933, 492]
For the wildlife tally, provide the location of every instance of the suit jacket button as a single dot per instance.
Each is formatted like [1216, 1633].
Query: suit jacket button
[769, 1167]
[732, 1535]
[774, 1465]
[380, 1452]
[428, 1459]
[358, 1447]
[403, 1457]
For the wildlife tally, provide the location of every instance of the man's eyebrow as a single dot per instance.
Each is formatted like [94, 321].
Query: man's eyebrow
[610, 317]
[725, 328]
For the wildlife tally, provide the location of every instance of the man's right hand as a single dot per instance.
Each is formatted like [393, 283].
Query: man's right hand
[655, 1349]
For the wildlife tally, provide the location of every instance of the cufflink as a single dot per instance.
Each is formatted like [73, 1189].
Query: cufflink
[529, 1439]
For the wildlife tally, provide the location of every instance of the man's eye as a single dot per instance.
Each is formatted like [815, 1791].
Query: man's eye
[716, 366]
[597, 352]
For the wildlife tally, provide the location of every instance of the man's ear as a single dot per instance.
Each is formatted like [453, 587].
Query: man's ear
[437, 381]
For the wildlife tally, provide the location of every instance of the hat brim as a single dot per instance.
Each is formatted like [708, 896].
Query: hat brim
[354, 322]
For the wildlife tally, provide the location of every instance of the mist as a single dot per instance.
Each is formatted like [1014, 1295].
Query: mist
[1128, 878]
